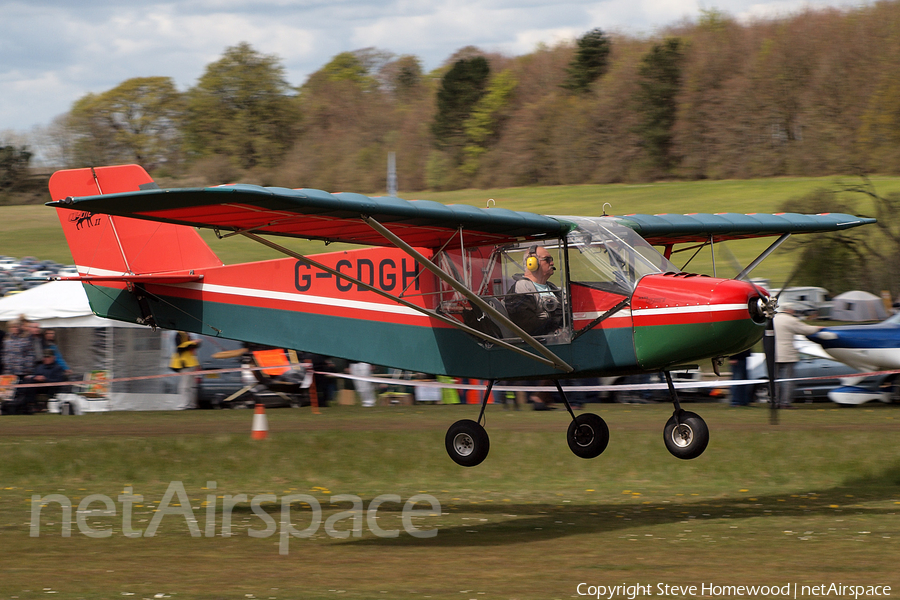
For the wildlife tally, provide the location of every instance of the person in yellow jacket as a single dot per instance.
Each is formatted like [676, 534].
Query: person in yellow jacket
[185, 356]
[184, 360]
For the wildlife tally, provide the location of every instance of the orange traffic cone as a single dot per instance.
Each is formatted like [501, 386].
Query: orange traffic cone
[260, 424]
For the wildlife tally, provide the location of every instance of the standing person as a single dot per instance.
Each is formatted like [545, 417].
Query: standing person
[365, 389]
[184, 359]
[49, 343]
[18, 360]
[18, 351]
[2, 341]
[786, 326]
[326, 387]
[740, 394]
[32, 329]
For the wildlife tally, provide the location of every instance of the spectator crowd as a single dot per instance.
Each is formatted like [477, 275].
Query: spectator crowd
[30, 355]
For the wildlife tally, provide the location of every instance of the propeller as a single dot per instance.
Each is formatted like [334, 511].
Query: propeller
[767, 308]
[769, 351]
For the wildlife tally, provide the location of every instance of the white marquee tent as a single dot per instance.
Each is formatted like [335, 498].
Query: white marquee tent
[88, 342]
[54, 304]
[858, 306]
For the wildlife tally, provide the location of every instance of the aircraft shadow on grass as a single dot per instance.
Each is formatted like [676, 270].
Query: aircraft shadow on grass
[537, 522]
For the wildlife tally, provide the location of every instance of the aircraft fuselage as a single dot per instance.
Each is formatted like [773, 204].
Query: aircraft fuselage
[673, 319]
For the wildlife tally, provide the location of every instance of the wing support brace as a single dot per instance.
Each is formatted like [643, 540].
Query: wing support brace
[555, 361]
[425, 311]
[772, 247]
[602, 318]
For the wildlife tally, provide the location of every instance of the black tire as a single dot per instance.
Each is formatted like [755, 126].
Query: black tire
[760, 393]
[588, 435]
[893, 386]
[467, 443]
[686, 436]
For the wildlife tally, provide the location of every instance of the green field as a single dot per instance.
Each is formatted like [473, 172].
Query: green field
[34, 230]
[811, 501]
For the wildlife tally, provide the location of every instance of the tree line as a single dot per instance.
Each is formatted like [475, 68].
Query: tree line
[811, 94]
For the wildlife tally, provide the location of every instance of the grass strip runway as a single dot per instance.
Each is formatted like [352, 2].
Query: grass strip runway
[811, 501]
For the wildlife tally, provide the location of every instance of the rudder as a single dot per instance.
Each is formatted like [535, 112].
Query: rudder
[106, 245]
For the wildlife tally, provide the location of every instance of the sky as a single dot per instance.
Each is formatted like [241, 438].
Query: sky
[53, 52]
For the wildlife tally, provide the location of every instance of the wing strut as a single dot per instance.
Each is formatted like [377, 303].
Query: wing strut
[472, 297]
[772, 247]
[425, 311]
[602, 318]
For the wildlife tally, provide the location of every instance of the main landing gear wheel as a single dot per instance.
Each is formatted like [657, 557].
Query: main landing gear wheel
[588, 435]
[686, 435]
[467, 443]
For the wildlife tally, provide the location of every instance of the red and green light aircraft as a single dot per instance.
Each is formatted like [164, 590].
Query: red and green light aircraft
[431, 288]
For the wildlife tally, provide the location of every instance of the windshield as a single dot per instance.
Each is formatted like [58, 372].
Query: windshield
[607, 255]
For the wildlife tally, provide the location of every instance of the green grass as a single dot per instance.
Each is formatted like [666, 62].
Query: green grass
[812, 500]
[35, 231]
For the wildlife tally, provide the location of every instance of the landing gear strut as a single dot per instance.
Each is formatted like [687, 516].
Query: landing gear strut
[468, 444]
[686, 434]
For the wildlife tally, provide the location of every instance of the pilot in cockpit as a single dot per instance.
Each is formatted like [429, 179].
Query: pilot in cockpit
[533, 302]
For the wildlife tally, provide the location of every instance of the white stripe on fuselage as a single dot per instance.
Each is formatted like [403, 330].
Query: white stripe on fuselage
[339, 302]
[669, 310]
[283, 296]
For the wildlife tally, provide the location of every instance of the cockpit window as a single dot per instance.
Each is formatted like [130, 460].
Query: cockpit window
[528, 281]
[610, 256]
[524, 281]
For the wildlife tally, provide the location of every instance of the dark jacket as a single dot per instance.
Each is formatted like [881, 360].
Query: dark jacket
[52, 372]
[531, 310]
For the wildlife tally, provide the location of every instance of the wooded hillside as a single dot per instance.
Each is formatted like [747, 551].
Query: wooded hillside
[814, 94]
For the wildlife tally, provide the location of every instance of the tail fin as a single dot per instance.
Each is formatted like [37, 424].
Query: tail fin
[103, 245]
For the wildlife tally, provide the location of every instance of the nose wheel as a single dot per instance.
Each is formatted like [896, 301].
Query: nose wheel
[685, 434]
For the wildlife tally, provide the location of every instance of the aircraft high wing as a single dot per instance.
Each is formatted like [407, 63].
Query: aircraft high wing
[434, 289]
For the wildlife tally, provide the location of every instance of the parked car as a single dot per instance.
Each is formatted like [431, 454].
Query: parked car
[8, 263]
[689, 394]
[214, 388]
[810, 366]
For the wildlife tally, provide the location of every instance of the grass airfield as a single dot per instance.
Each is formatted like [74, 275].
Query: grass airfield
[811, 501]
